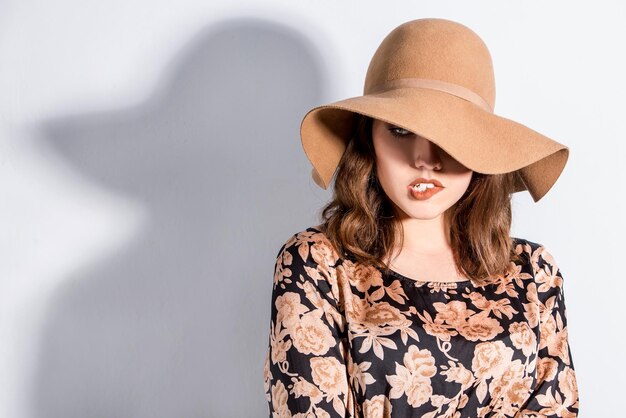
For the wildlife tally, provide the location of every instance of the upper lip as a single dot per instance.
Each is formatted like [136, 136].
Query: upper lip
[425, 180]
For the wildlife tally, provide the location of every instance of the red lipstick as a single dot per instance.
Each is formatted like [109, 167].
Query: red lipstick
[425, 188]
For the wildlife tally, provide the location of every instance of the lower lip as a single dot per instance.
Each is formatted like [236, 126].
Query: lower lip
[426, 194]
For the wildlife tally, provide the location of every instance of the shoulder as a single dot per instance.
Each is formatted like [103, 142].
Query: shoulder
[305, 266]
[307, 253]
[311, 245]
[546, 280]
[535, 254]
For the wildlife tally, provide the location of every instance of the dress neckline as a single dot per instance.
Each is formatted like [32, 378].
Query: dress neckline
[416, 282]
[428, 282]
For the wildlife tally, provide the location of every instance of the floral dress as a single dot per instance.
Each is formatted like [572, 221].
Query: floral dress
[347, 340]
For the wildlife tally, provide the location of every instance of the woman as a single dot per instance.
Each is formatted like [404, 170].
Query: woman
[411, 298]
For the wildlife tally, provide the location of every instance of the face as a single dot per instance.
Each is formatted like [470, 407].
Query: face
[401, 157]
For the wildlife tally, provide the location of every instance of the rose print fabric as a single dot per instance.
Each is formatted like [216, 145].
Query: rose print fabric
[346, 340]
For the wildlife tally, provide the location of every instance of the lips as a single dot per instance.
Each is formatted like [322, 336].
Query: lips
[424, 192]
[425, 180]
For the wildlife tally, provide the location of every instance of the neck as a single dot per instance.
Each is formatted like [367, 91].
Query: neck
[426, 236]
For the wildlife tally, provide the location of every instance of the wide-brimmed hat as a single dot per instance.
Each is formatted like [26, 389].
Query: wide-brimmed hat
[434, 77]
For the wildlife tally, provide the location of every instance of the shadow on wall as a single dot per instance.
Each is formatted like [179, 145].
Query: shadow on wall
[177, 323]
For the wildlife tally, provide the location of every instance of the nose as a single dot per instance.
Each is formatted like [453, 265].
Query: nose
[426, 154]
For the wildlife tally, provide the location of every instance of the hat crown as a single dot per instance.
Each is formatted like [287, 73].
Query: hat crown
[433, 49]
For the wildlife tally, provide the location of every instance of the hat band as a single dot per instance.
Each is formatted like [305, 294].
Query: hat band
[455, 89]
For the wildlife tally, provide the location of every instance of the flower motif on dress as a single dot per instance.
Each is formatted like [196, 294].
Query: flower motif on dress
[454, 312]
[282, 272]
[311, 335]
[490, 359]
[279, 396]
[436, 327]
[509, 390]
[377, 321]
[362, 278]
[499, 307]
[458, 373]
[531, 308]
[480, 327]
[413, 377]
[458, 318]
[289, 309]
[378, 406]
[359, 376]
[523, 337]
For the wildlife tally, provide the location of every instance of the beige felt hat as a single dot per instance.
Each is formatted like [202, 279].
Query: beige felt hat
[434, 77]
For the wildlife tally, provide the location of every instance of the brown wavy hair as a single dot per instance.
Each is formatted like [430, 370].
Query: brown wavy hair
[360, 222]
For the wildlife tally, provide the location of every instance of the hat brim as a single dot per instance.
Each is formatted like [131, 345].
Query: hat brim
[480, 140]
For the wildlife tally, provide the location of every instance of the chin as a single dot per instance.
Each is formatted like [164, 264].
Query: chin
[423, 210]
[424, 215]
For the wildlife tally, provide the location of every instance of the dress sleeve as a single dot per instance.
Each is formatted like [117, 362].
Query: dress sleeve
[555, 393]
[305, 364]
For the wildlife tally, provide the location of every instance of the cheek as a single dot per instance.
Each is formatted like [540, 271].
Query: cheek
[384, 163]
[389, 159]
[387, 170]
[462, 182]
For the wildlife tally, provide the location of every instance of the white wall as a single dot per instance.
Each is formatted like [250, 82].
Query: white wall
[150, 168]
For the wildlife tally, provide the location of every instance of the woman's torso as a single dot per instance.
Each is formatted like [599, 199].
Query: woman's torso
[435, 349]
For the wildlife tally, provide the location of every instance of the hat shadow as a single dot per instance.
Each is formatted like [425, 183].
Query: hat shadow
[176, 323]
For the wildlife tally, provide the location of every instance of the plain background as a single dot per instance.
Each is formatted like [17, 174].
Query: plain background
[151, 168]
